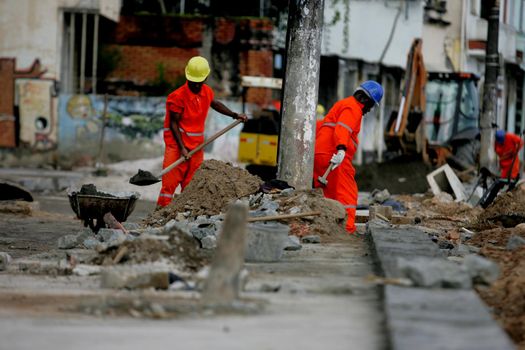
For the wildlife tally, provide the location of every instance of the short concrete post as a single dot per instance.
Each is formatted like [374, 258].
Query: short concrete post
[223, 284]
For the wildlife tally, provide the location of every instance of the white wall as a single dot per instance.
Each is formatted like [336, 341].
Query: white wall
[370, 24]
[30, 30]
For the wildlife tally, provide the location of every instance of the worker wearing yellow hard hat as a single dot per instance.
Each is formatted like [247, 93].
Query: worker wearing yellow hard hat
[186, 112]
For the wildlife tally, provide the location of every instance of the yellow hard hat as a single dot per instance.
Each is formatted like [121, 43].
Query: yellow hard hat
[320, 109]
[197, 69]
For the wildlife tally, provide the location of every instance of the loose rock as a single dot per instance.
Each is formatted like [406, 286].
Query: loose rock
[515, 242]
[313, 239]
[434, 273]
[481, 270]
[5, 259]
[293, 243]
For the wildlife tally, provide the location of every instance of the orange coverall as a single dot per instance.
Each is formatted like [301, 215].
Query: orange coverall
[339, 127]
[194, 110]
[507, 152]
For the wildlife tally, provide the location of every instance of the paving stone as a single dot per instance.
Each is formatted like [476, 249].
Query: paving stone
[313, 239]
[5, 260]
[265, 241]
[515, 242]
[293, 243]
[482, 270]
[444, 319]
[434, 273]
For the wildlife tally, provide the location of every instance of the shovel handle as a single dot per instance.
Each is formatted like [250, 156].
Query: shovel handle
[326, 173]
[199, 147]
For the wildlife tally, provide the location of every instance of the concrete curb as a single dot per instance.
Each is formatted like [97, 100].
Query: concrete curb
[429, 318]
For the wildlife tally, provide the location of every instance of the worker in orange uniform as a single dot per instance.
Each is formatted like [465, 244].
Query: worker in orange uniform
[507, 147]
[186, 112]
[336, 143]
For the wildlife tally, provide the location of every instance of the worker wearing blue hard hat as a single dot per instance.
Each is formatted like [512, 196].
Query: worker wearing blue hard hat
[336, 143]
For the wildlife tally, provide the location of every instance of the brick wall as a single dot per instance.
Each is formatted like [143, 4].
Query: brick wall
[258, 63]
[140, 64]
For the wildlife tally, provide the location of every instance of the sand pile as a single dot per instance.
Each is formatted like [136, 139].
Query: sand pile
[508, 209]
[215, 185]
[507, 295]
[331, 222]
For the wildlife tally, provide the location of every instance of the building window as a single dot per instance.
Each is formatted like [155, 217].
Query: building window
[79, 52]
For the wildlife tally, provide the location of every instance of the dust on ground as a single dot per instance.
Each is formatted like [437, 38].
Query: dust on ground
[215, 185]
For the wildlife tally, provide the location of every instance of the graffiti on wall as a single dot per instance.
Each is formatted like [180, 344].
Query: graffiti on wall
[38, 125]
[128, 120]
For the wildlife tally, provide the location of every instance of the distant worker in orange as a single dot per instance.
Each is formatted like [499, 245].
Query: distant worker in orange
[186, 112]
[507, 147]
[336, 143]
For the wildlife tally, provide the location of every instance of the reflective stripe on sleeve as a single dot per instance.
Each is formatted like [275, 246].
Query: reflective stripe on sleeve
[165, 195]
[345, 126]
[350, 206]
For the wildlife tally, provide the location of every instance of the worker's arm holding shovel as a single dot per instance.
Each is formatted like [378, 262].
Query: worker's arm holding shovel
[174, 127]
[221, 108]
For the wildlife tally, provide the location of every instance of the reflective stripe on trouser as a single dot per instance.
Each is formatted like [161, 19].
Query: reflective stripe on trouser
[341, 185]
[180, 175]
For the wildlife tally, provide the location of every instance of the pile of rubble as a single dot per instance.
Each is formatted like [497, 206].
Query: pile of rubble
[496, 233]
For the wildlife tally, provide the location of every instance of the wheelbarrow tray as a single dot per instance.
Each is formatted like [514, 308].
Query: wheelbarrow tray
[95, 206]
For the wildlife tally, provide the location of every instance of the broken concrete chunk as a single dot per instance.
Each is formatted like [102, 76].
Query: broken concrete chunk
[5, 259]
[287, 192]
[444, 180]
[131, 226]
[515, 242]
[135, 277]
[312, 239]
[86, 270]
[434, 273]
[481, 270]
[90, 243]
[203, 229]
[68, 241]
[112, 237]
[209, 242]
[265, 241]
[293, 243]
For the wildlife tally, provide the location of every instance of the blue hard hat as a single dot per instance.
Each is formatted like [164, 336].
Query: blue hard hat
[500, 136]
[373, 89]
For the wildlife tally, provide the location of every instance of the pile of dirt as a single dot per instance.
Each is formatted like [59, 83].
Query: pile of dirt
[331, 222]
[179, 249]
[508, 209]
[215, 185]
[506, 296]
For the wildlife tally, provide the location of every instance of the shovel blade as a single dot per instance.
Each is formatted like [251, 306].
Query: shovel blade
[143, 178]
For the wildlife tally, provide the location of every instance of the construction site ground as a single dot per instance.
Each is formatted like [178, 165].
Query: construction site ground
[313, 298]
[347, 290]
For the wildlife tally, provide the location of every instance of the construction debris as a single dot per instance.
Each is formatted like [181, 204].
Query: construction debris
[215, 185]
[5, 259]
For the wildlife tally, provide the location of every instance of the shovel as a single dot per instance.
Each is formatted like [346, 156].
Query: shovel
[145, 178]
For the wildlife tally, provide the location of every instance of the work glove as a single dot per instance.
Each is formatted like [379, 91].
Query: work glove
[337, 158]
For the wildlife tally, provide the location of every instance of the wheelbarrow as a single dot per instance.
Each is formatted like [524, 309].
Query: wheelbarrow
[91, 208]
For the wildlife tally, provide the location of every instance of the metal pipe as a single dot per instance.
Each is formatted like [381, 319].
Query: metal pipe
[95, 55]
[83, 53]
[70, 80]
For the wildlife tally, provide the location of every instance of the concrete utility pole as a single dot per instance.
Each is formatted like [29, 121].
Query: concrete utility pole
[301, 85]
[489, 111]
